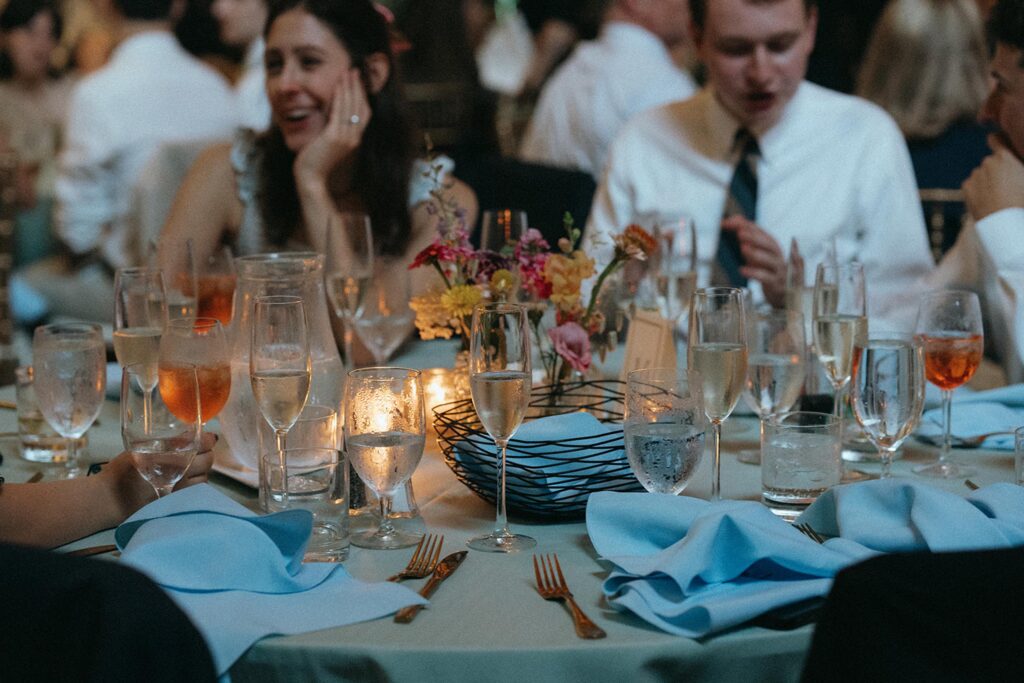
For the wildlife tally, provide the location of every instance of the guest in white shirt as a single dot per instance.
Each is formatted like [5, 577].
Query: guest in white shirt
[241, 25]
[829, 168]
[605, 82]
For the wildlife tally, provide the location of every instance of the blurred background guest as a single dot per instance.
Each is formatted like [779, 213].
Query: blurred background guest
[241, 25]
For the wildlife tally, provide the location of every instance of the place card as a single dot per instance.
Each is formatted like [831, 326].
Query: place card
[649, 343]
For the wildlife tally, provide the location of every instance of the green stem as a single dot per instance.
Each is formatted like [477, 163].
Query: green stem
[609, 269]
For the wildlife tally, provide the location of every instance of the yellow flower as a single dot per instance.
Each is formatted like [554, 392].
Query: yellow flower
[566, 274]
[503, 282]
[460, 300]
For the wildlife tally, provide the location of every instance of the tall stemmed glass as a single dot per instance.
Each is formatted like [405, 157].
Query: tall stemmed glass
[500, 228]
[500, 381]
[69, 362]
[888, 391]
[775, 366]
[384, 319]
[200, 343]
[279, 364]
[140, 313]
[840, 322]
[161, 432]
[675, 268]
[347, 278]
[718, 350]
[385, 430]
[949, 326]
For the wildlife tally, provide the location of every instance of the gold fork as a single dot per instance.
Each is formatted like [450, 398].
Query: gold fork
[552, 587]
[423, 559]
[808, 531]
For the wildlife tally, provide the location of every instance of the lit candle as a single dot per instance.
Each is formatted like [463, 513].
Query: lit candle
[438, 388]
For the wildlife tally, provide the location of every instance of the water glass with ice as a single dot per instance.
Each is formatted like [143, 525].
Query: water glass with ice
[800, 459]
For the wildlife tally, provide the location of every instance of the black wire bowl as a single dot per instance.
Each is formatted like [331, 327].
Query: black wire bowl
[549, 479]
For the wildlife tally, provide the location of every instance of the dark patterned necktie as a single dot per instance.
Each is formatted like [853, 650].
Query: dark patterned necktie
[741, 200]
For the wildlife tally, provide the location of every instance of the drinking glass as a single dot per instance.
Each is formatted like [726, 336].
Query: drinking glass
[347, 277]
[949, 327]
[718, 350]
[215, 279]
[776, 365]
[385, 431]
[385, 320]
[888, 392]
[140, 313]
[200, 343]
[840, 322]
[69, 361]
[500, 228]
[279, 363]
[800, 461]
[161, 432]
[664, 427]
[675, 266]
[499, 380]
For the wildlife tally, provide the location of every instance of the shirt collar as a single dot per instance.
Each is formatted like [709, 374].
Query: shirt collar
[633, 35]
[722, 126]
[254, 54]
[141, 45]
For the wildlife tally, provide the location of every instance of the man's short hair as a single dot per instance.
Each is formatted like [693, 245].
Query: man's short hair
[144, 9]
[1006, 23]
[699, 8]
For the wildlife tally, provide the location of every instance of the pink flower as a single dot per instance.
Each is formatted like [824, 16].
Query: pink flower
[573, 344]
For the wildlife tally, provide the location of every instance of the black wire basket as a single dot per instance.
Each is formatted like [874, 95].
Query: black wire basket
[549, 479]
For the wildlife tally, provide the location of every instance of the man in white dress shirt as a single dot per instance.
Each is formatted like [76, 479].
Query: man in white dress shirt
[606, 81]
[830, 169]
[241, 25]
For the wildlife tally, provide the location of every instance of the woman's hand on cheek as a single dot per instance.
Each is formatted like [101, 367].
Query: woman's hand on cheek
[340, 138]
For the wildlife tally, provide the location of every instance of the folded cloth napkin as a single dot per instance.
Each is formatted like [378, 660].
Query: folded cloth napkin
[694, 568]
[240, 576]
[549, 456]
[978, 412]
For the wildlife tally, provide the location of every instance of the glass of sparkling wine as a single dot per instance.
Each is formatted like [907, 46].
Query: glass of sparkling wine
[384, 319]
[500, 381]
[349, 269]
[279, 364]
[675, 268]
[840, 322]
[776, 365]
[70, 366]
[949, 327]
[162, 436]
[385, 431]
[664, 427]
[718, 350]
[140, 313]
[201, 343]
[888, 391]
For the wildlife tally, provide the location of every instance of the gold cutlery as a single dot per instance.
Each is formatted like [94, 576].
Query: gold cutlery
[422, 562]
[445, 569]
[552, 587]
[8, 405]
[808, 531]
[37, 477]
[93, 550]
[971, 485]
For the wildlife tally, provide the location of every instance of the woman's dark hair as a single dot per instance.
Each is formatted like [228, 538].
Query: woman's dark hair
[381, 175]
[20, 13]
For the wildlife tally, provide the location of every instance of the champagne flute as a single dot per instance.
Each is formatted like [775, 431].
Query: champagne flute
[70, 368]
[140, 312]
[347, 279]
[385, 320]
[840, 322]
[949, 326]
[718, 350]
[888, 392]
[675, 266]
[501, 228]
[279, 363]
[200, 343]
[775, 366]
[385, 431]
[664, 427]
[162, 436]
[499, 379]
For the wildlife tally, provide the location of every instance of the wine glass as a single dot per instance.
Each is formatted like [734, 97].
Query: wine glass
[140, 312]
[776, 366]
[385, 431]
[718, 350]
[949, 327]
[215, 280]
[385, 320]
[279, 363]
[161, 431]
[70, 368]
[840, 322]
[888, 391]
[501, 228]
[200, 343]
[500, 379]
[664, 427]
[347, 275]
[675, 266]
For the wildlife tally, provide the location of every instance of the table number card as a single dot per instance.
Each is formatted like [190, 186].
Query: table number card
[649, 343]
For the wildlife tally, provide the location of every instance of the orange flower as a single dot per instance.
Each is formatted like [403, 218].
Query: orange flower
[634, 242]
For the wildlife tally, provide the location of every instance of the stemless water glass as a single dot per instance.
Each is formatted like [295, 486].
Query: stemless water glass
[949, 327]
[279, 363]
[161, 435]
[384, 320]
[385, 431]
[200, 343]
[718, 350]
[348, 274]
[888, 391]
[664, 427]
[840, 321]
[500, 382]
[500, 228]
[69, 361]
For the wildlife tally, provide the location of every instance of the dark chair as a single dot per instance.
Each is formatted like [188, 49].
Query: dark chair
[944, 215]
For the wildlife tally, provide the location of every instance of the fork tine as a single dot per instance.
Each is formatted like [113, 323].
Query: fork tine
[416, 553]
[428, 550]
[544, 564]
[536, 574]
[438, 543]
[561, 578]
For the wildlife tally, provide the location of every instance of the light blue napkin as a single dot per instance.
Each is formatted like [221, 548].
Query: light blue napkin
[978, 412]
[240, 576]
[695, 568]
